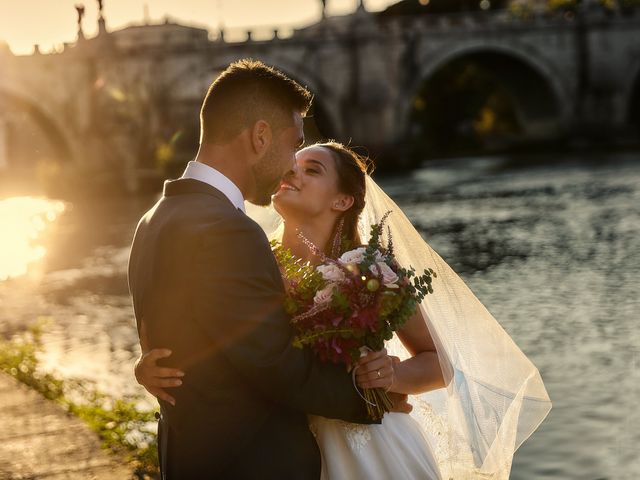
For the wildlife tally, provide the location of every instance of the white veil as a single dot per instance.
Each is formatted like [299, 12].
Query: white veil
[494, 398]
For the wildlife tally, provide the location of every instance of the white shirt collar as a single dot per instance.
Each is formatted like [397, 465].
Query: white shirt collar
[205, 173]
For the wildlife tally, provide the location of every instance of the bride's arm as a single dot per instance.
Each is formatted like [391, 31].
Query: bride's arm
[151, 376]
[420, 373]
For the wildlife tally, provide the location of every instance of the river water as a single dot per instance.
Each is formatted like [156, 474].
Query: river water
[553, 251]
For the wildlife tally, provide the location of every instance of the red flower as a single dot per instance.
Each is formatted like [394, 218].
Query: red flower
[366, 318]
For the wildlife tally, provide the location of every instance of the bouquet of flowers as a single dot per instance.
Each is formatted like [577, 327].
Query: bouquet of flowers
[345, 306]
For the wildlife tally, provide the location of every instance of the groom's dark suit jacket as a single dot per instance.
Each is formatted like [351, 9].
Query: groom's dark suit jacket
[204, 281]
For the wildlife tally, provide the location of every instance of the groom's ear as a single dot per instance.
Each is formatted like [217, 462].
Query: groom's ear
[261, 137]
[342, 203]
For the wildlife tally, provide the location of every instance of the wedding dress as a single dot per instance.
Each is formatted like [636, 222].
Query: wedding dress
[395, 449]
[494, 397]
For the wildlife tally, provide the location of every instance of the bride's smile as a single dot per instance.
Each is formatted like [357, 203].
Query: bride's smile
[287, 186]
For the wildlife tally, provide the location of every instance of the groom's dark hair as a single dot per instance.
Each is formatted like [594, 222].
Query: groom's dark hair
[248, 91]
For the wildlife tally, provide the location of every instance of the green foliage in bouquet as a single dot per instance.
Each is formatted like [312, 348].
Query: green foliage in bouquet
[301, 276]
[395, 307]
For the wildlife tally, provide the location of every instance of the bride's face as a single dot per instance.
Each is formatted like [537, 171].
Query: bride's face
[310, 189]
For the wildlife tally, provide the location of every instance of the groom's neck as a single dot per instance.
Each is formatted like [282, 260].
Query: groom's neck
[229, 160]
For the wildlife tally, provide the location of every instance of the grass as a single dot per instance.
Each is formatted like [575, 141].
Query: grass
[123, 427]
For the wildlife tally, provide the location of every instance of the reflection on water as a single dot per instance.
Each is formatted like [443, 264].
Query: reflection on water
[23, 221]
[552, 251]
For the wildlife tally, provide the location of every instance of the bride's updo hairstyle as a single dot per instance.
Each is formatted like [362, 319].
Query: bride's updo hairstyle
[352, 169]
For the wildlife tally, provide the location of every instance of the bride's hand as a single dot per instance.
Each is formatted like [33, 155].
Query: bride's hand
[376, 370]
[154, 378]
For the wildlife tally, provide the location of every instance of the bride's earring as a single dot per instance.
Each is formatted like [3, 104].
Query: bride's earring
[337, 239]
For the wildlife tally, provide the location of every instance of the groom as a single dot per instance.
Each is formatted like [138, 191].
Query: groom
[205, 284]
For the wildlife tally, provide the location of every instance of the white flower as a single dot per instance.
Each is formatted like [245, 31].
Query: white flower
[388, 276]
[331, 273]
[357, 255]
[324, 295]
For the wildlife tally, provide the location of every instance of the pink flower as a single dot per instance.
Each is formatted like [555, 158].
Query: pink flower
[353, 256]
[389, 277]
[356, 256]
[324, 295]
[331, 273]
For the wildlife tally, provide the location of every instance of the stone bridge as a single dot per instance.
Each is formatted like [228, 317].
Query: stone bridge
[110, 98]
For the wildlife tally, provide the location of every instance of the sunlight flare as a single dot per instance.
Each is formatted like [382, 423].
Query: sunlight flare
[24, 220]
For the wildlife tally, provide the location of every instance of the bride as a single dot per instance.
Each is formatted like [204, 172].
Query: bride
[476, 396]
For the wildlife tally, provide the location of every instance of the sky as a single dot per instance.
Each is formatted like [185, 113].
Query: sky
[50, 23]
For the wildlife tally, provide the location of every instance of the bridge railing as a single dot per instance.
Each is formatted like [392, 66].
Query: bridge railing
[515, 17]
[492, 19]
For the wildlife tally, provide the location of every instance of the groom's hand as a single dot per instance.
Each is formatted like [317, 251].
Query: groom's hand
[400, 402]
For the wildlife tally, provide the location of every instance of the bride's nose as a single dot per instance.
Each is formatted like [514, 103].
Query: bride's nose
[292, 172]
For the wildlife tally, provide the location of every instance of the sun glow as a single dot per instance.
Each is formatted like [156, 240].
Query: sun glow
[23, 221]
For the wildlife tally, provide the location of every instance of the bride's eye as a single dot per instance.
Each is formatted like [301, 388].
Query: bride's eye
[311, 171]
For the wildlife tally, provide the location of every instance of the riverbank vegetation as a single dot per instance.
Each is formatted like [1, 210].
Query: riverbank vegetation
[125, 428]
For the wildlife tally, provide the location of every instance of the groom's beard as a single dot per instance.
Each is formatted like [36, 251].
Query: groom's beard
[267, 177]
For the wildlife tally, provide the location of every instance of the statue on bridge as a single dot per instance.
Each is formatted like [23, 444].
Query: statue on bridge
[102, 26]
[80, 10]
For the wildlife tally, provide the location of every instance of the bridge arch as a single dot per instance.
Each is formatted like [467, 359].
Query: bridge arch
[59, 139]
[539, 98]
